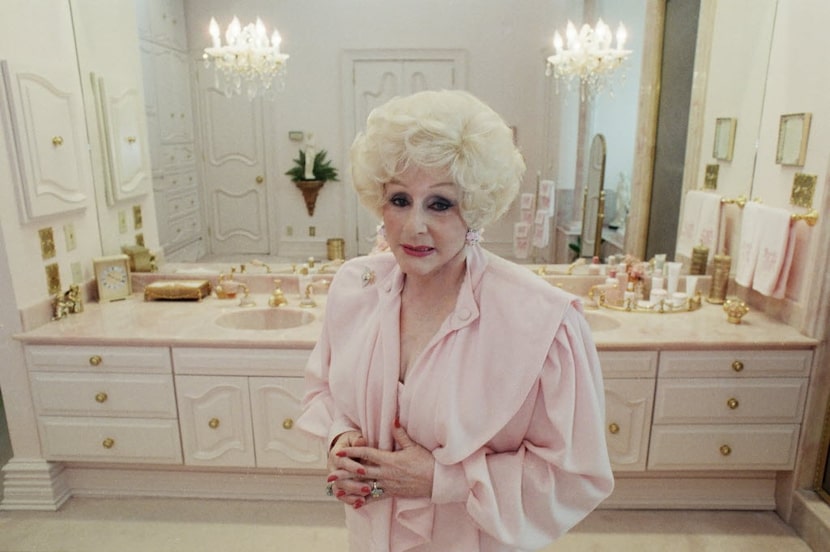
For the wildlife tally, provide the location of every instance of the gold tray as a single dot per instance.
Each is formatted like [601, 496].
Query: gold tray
[177, 290]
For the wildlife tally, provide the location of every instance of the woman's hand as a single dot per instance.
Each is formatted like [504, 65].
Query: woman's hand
[341, 483]
[406, 472]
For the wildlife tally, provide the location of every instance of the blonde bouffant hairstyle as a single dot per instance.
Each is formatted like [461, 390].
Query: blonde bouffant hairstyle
[448, 130]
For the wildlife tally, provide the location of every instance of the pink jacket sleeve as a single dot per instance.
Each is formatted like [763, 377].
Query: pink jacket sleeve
[529, 497]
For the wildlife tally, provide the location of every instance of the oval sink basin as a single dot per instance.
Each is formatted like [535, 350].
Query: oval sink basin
[265, 319]
[600, 321]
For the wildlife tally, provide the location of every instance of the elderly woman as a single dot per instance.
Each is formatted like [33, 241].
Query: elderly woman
[460, 395]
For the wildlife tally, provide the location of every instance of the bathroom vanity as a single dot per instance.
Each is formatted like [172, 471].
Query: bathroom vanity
[171, 399]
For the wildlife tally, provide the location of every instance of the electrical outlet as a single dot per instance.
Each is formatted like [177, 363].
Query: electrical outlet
[69, 235]
[77, 272]
[289, 230]
[122, 222]
[312, 231]
[296, 135]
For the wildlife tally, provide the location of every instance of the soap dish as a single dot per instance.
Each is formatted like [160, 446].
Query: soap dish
[177, 290]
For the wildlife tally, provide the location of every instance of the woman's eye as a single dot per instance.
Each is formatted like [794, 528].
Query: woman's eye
[440, 205]
[399, 201]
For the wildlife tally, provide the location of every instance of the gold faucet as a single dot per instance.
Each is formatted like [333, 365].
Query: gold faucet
[579, 262]
[257, 262]
[277, 298]
[246, 300]
[307, 302]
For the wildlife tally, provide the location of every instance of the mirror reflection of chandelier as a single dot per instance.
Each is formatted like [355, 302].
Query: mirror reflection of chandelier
[587, 55]
[248, 61]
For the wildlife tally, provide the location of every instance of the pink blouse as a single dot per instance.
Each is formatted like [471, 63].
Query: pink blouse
[507, 395]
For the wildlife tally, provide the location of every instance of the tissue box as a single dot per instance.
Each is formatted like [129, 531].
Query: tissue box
[177, 290]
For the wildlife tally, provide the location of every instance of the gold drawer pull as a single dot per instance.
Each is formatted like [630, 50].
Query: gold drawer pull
[108, 443]
[613, 428]
[131, 139]
[287, 423]
[732, 403]
[95, 360]
[737, 365]
[725, 450]
[213, 423]
[259, 180]
[101, 397]
[57, 140]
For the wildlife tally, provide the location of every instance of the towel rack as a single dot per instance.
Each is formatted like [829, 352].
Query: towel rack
[740, 201]
[810, 218]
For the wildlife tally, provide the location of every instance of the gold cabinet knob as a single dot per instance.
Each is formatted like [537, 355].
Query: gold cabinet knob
[57, 140]
[101, 397]
[108, 443]
[737, 365]
[287, 423]
[213, 423]
[732, 403]
[130, 139]
[95, 360]
[259, 180]
[725, 450]
[613, 428]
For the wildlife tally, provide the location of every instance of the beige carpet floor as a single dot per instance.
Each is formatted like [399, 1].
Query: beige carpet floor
[186, 525]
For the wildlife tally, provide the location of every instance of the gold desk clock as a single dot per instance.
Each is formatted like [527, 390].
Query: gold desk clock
[113, 277]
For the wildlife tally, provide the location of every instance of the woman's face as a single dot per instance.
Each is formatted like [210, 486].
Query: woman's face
[423, 223]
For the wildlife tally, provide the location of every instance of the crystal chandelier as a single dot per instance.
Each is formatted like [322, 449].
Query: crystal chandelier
[249, 60]
[588, 56]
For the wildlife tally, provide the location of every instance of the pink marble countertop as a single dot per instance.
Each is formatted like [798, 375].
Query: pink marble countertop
[134, 322]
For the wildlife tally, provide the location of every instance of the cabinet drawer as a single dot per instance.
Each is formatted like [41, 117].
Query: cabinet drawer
[723, 447]
[110, 440]
[99, 359]
[176, 157]
[175, 182]
[184, 229]
[628, 405]
[715, 400]
[248, 362]
[182, 203]
[88, 394]
[628, 364]
[735, 363]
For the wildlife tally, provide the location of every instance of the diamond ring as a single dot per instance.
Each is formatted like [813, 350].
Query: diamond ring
[376, 491]
[329, 489]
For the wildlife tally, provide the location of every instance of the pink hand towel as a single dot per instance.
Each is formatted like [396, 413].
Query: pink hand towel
[708, 222]
[748, 246]
[688, 226]
[773, 244]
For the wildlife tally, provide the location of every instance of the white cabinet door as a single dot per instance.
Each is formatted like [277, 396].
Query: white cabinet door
[628, 406]
[215, 421]
[172, 82]
[275, 403]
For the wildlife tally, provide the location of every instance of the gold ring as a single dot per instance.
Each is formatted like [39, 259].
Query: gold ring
[376, 491]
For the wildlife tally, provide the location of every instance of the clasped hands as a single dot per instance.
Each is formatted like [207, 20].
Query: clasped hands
[354, 467]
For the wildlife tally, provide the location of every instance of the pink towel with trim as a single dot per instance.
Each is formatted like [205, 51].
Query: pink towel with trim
[749, 244]
[688, 227]
[775, 252]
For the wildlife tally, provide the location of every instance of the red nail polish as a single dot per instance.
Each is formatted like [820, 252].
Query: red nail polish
[361, 471]
[331, 478]
[341, 493]
[358, 504]
[397, 422]
[365, 490]
[341, 453]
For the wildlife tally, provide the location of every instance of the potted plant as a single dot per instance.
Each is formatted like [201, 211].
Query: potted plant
[310, 175]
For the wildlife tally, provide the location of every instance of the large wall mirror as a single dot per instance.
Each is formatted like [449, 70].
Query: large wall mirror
[507, 47]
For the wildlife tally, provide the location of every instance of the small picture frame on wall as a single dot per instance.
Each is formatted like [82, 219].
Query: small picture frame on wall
[724, 138]
[793, 133]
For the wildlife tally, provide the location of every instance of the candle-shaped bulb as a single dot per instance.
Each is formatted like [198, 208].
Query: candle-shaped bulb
[622, 35]
[570, 34]
[233, 31]
[557, 42]
[603, 34]
[213, 29]
[276, 40]
[261, 33]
